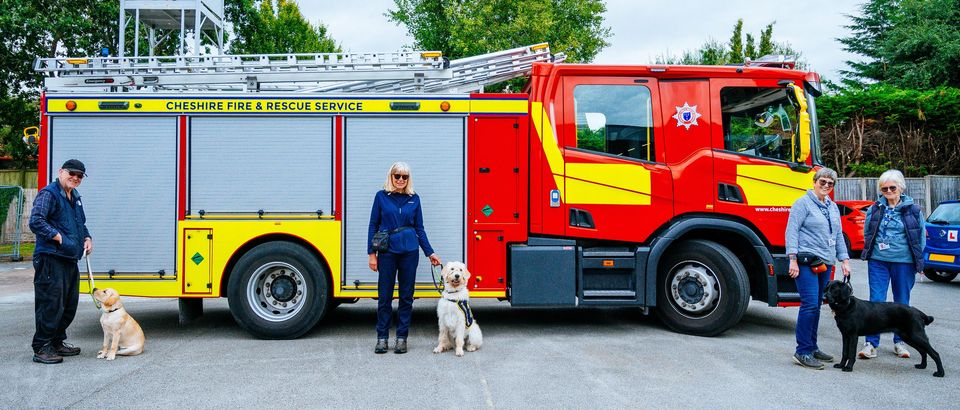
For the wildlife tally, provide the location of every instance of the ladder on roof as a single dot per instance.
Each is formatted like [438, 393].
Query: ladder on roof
[398, 72]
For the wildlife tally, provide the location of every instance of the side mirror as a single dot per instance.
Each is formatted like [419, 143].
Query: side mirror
[31, 136]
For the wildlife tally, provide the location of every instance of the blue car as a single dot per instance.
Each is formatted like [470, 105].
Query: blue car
[942, 254]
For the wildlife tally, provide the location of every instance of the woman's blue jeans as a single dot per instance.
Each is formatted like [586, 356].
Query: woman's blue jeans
[882, 275]
[810, 286]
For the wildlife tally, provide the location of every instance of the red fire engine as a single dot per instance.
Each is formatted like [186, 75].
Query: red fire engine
[252, 178]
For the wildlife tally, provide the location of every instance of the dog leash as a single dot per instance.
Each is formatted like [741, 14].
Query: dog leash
[434, 273]
[92, 284]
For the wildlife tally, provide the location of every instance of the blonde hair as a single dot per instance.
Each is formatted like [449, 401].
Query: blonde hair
[399, 168]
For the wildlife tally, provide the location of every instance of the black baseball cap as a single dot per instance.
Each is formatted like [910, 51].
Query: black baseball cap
[75, 165]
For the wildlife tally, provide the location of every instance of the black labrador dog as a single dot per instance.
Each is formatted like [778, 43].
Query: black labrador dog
[857, 317]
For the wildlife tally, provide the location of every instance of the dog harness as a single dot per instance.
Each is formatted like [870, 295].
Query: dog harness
[464, 306]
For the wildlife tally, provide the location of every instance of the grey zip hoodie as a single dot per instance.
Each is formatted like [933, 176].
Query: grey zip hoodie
[809, 230]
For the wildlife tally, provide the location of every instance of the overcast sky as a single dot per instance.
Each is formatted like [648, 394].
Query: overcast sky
[641, 29]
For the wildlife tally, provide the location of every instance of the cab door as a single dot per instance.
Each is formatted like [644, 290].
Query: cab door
[615, 183]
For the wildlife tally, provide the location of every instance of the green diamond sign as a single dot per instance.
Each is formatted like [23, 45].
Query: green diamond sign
[197, 258]
[487, 210]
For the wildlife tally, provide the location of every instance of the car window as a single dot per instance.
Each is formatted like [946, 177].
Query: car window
[946, 214]
[844, 210]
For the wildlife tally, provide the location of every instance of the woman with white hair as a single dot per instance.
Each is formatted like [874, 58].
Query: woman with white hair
[397, 213]
[894, 238]
[814, 244]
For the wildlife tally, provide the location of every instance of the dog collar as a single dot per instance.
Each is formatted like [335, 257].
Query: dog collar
[114, 310]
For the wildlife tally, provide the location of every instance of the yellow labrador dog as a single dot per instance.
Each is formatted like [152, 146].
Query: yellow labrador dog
[457, 324]
[121, 334]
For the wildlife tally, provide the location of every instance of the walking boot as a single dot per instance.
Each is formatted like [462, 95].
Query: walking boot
[381, 346]
[401, 346]
[47, 355]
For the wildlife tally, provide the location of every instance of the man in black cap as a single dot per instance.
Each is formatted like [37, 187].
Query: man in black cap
[59, 223]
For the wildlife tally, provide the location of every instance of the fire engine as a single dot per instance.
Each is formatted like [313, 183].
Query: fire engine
[252, 177]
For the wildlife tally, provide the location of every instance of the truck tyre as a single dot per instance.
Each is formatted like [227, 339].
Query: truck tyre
[939, 276]
[702, 289]
[278, 290]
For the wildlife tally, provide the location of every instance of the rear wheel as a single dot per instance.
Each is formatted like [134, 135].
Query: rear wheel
[278, 290]
[939, 276]
[702, 289]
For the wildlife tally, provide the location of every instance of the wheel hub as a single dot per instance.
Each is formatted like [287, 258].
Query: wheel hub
[276, 291]
[693, 288]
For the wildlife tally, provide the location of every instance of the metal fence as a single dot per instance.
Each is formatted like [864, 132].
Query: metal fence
[14, 218]
[926, 192]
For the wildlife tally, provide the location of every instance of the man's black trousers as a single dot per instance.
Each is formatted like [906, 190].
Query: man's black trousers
[56, 293]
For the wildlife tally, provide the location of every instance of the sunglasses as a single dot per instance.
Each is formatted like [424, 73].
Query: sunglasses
[76, 174]
[892, 188]
[825, 183]
[400, 176]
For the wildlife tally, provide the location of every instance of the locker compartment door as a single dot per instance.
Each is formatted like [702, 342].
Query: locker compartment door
[496, 170]
[197, 254]
[434, 147]
[130, 194]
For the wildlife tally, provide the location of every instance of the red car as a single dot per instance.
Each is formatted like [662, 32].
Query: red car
[852, 216]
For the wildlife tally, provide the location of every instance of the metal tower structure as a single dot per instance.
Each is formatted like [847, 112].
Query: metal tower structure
[199, 17]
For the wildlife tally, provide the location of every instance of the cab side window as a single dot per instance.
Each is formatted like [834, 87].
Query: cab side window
[759, 122]
[615, 119]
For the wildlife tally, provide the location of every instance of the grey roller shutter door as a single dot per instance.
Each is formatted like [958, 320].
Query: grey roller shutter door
[275, 164]
[130, 195]
[435, 150]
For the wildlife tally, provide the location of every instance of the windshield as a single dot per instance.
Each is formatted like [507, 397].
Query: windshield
[945, 214]
[814, 130]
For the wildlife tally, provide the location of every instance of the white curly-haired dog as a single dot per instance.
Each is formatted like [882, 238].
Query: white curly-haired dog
[457, 324]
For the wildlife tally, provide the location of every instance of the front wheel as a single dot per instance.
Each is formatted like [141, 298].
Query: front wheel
[939, 276]
[702, 288]
[278, 290]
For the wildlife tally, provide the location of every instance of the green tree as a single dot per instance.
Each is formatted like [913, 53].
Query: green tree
[907, 43]
[736, 42]
[868, 36]
[713, 52]
[462, 28]
[274, 27]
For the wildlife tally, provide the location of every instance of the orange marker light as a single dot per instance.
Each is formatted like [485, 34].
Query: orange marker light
[608, 263]
[71, 105]
[445, 106]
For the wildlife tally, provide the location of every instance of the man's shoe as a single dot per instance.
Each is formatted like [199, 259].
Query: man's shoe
[807, 360]
[381, 346]
[821, 356]
[401, 346]
[66, 349]
[47, 355]
[867, 352]
[900, 349]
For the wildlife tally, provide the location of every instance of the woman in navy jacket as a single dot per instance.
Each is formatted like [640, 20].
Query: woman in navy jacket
[396, 209]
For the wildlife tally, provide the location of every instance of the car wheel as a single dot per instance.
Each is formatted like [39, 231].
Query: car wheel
[939, 276]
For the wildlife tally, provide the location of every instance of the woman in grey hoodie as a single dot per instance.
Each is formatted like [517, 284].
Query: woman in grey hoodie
[814, 227]
[893, 247]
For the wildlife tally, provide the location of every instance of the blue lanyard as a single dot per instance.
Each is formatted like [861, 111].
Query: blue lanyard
[826, 214]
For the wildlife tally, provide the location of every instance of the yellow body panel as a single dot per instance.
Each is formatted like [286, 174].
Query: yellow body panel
[228, 237]
[772, 185]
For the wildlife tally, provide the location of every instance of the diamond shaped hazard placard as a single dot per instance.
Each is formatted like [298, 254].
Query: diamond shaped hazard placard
[197, 258]
[487, 211]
